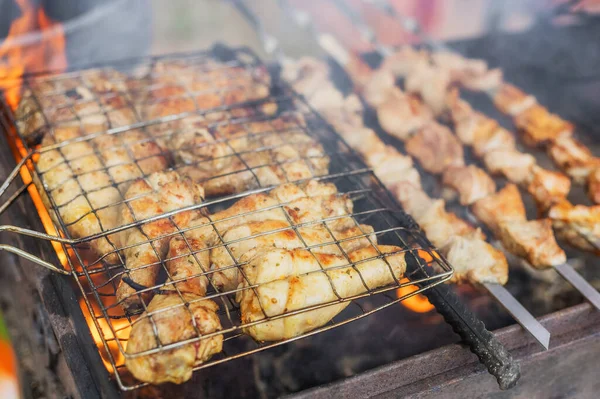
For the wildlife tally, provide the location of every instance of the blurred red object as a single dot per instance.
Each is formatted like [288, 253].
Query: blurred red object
[9, 380]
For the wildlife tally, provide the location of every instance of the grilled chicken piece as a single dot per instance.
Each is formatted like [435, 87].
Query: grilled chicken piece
[86, 178]
[278, 234]
[504, 206]
[593, 186]
[402, 115]
[378, 88]
[173, 87]
[405, 61]
[161, 192]
[392, 167]
[177, 318]
[431, 84]
[475, 260]
[579, 225]
[471, 182]
[97, 101]
[413, 199]
[499, 139]
[440, 226]
[548, 187]
[512, 101]
[534, 241]
[471, 73]
[436, 148]
[477, 130]
[539, 127]
[574, 158]
[245, 156]
[514, 165]
[290, 280]
[169, 319]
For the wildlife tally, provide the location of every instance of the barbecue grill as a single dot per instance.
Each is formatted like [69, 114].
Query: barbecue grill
[95, 280]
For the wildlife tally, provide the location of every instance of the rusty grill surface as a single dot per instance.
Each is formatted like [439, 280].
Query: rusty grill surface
[238, 96]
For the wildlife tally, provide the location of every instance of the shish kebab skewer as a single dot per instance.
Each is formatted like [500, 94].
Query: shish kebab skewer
[563, 268]
[578, 224]
[342, 114]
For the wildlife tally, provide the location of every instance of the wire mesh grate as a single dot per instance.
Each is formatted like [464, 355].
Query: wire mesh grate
[185, 161]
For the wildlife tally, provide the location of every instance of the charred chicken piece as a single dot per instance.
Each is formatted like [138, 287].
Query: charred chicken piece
[504, 206]
[436, 148]
[471, 183]
[534, 241]
[514, 165]
[86, 180]
[539, 127]
[579, 225]
[548, 187]
[147, 245]
[574, 158]
[286, 277]
[512, 100]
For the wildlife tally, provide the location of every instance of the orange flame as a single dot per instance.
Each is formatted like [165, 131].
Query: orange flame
[417, 303]
[20, 55]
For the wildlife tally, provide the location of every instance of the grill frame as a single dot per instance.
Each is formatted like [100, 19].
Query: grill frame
[380, 194]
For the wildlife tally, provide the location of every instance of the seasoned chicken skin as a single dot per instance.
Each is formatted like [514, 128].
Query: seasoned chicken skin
[514, 165]
[146, 246]
[512, 100]
[86, 179]
[539, 127]
[290, 280]
[548, 187]
[506, 205]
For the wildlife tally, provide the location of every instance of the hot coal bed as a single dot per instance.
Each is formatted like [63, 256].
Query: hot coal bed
[394, 352]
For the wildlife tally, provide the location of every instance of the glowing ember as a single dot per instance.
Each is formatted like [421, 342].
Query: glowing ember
[417, 303]
[34, 44]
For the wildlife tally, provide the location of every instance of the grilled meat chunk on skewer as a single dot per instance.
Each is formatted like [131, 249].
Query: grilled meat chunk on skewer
[436, 148]
[405, 61]
[548, 187]
[294, 279]
[573, 158]
[471, 73]
[512, 100]
[146, 246]
[539, 127]
[504, 206]
[475, 260]
[431, 84]
[577, 224]
[471, 183]
[593, 186]
[514, 165]
[86, 180]
[534, 241]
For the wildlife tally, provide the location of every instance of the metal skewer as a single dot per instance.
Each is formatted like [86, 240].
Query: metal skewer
[502, 295]
[412, 25]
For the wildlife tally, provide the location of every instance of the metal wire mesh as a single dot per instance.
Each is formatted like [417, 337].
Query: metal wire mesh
[217, 118]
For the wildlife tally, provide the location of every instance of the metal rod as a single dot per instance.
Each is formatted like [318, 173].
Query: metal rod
[575, 279]
[33, 258]
[520, 314]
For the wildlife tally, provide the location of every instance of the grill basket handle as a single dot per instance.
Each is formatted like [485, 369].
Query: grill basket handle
[482, 343]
